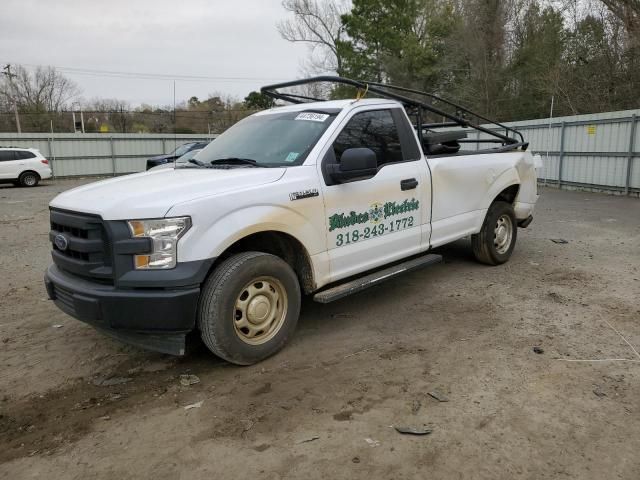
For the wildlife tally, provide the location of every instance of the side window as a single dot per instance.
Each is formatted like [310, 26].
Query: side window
[375, 130]
[24, 155]
[7, 155]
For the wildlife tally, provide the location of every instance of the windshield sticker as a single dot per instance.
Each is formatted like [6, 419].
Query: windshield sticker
[313, 117]
[292, 157]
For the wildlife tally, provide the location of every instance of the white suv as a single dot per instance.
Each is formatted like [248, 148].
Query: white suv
[23, 167]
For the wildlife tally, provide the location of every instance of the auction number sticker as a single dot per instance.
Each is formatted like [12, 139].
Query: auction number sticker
[312, 117]
[380, 219]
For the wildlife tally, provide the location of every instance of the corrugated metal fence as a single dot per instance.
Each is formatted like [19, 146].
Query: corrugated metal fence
[98, 154]
[600, 151]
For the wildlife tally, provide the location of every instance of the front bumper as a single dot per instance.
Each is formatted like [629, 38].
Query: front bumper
[526, 222]
[154, 318]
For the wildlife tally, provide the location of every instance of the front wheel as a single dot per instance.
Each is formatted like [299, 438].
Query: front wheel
[249, 307]
[497, 238]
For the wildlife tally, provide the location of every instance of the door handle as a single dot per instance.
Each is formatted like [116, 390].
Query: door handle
[408, 184]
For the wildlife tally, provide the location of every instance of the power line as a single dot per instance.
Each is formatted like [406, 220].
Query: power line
[138, 112]
[181, 115]
[151, 76]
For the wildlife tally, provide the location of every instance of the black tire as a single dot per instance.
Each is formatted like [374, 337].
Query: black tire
[490, 246]
[219, 311]
[28, 179]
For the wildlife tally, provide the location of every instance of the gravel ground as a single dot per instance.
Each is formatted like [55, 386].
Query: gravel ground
[75, 404]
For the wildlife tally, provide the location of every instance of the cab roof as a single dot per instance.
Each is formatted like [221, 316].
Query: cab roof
[331, 106]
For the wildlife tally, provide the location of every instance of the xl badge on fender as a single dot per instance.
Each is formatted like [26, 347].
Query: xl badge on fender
[313, 192]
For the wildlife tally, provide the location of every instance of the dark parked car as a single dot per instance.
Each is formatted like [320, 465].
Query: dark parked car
[178, 152]
[180, 162]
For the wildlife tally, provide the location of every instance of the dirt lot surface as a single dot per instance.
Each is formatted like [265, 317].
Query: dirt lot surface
[74, 404]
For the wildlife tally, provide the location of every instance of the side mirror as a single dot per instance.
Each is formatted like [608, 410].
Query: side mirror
[355, 164]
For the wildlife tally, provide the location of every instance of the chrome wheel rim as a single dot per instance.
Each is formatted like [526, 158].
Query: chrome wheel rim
[260, 310]
[30, 180]
[502, 234]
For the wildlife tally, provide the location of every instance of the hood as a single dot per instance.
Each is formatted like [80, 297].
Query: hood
[151, 194]
[163, 166]
[162, 157]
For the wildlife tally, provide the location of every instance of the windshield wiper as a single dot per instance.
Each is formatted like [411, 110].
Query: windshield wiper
[197, 162]
[234, 161]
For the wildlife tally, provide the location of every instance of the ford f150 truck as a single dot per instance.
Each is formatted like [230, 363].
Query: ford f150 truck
[322, 198]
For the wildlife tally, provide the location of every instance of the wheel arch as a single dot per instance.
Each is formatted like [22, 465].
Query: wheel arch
[280, 244]
[293, 235]
[509, 194]
[506, 188]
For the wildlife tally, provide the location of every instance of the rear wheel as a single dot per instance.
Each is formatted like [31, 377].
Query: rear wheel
[497, 238]
[28, 179]
[249, 307]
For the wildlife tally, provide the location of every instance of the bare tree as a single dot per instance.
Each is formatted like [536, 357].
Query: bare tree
[318, 24]
[44, 90]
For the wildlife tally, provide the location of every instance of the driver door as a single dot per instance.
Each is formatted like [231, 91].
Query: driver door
[377, 220]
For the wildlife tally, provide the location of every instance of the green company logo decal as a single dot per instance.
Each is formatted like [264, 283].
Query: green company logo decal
[375, 215]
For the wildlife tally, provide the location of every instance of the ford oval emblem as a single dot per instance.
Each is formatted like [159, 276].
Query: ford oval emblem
[61, 242]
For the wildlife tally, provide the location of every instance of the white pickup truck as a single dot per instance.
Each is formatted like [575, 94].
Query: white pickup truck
[317, 198]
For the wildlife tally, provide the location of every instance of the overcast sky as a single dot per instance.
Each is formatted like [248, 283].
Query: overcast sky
[213, 38]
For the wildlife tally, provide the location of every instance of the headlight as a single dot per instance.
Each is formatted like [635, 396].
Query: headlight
[164, 233]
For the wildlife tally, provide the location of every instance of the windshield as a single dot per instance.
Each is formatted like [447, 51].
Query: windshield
[188, 156]
[182, 149]
[271, 140]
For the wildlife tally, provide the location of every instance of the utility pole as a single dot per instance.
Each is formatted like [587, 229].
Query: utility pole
[77, 127]
[7, 73]
[123, 120]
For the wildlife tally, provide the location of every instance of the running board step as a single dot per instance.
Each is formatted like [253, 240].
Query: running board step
[362, 283]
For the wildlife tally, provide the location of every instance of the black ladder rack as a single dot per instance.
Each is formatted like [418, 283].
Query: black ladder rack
[511, 139]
